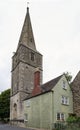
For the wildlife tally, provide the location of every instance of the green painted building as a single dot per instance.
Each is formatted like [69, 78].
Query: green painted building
[53, 104]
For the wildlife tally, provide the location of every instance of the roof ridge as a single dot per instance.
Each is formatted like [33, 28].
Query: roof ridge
[52, 79]
[50, 84]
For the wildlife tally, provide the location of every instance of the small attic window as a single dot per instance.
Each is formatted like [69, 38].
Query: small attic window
[64, 85]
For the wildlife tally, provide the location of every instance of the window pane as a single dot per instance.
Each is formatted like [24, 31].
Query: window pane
[58, 116]
[28, 103]
[62, 99]
[26, 117]
[62, 116]
[66, 100]
[64, 85]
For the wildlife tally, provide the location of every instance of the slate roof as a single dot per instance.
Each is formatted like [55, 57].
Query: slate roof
[27, 37]
[47, 87]
[50, 84]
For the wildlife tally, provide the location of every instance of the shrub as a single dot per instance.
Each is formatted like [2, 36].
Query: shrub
[71, 119]
[78, 119]
[59, 126]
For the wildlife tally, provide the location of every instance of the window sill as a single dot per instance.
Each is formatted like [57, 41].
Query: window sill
[65, 104]
[65, 89]
[25, 120]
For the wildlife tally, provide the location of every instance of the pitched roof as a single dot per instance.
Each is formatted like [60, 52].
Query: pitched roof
[46, 87]
[27, 37]
[76, 82]
[51, 84]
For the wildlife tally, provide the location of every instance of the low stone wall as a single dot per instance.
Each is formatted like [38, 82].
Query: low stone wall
[19, 123]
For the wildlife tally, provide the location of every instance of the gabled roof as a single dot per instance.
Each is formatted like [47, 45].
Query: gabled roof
[51, 84]
[47, 87]
[76, 82]
[27, 37]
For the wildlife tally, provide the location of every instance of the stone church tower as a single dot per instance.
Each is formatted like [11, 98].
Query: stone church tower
[24, 62]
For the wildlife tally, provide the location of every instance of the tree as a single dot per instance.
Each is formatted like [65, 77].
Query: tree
[68, 76]
[5, 104]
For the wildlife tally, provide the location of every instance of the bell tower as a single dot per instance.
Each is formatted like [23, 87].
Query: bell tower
[24, 61]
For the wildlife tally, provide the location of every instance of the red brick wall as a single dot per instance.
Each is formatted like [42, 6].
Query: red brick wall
[36, 89]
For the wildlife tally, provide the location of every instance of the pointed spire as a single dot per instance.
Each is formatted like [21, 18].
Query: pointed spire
[27, 4]
[27, 37]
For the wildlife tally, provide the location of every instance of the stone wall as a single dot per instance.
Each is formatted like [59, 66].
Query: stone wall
[76, 94]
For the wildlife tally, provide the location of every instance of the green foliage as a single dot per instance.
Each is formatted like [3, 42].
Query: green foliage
[5, 104]
[73, 123]
[78, 119]
[59, 126]
[68, 76]
[71, 119]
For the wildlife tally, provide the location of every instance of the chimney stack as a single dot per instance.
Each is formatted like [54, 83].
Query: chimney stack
[36, 89]
[37, 77]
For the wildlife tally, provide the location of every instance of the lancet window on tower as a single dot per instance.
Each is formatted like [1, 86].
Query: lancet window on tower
[32, 56]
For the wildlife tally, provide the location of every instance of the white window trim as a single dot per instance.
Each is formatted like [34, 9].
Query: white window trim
[25, 117]
[64, 85]
[65, 100]
[60, 116]
[28, 103]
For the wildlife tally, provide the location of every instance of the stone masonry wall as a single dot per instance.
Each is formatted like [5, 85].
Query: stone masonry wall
[76, 94]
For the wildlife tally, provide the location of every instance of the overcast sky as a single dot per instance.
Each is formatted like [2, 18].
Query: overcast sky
[56, 27]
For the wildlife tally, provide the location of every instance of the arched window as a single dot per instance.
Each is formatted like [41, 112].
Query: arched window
[15, 111]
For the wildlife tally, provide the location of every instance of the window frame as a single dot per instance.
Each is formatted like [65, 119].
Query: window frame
[25, 117]
[64, 100]
[64, 86]
[28, 102]
[60, 115]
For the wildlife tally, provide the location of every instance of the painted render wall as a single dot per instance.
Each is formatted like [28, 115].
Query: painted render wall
[39, 111]
[58, 92]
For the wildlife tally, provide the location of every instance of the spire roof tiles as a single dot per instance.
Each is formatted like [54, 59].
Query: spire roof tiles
[27, 37]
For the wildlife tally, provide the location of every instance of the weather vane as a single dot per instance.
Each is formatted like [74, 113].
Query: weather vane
[28, 4]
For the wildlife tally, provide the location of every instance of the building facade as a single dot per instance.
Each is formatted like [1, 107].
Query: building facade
[53, 104]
